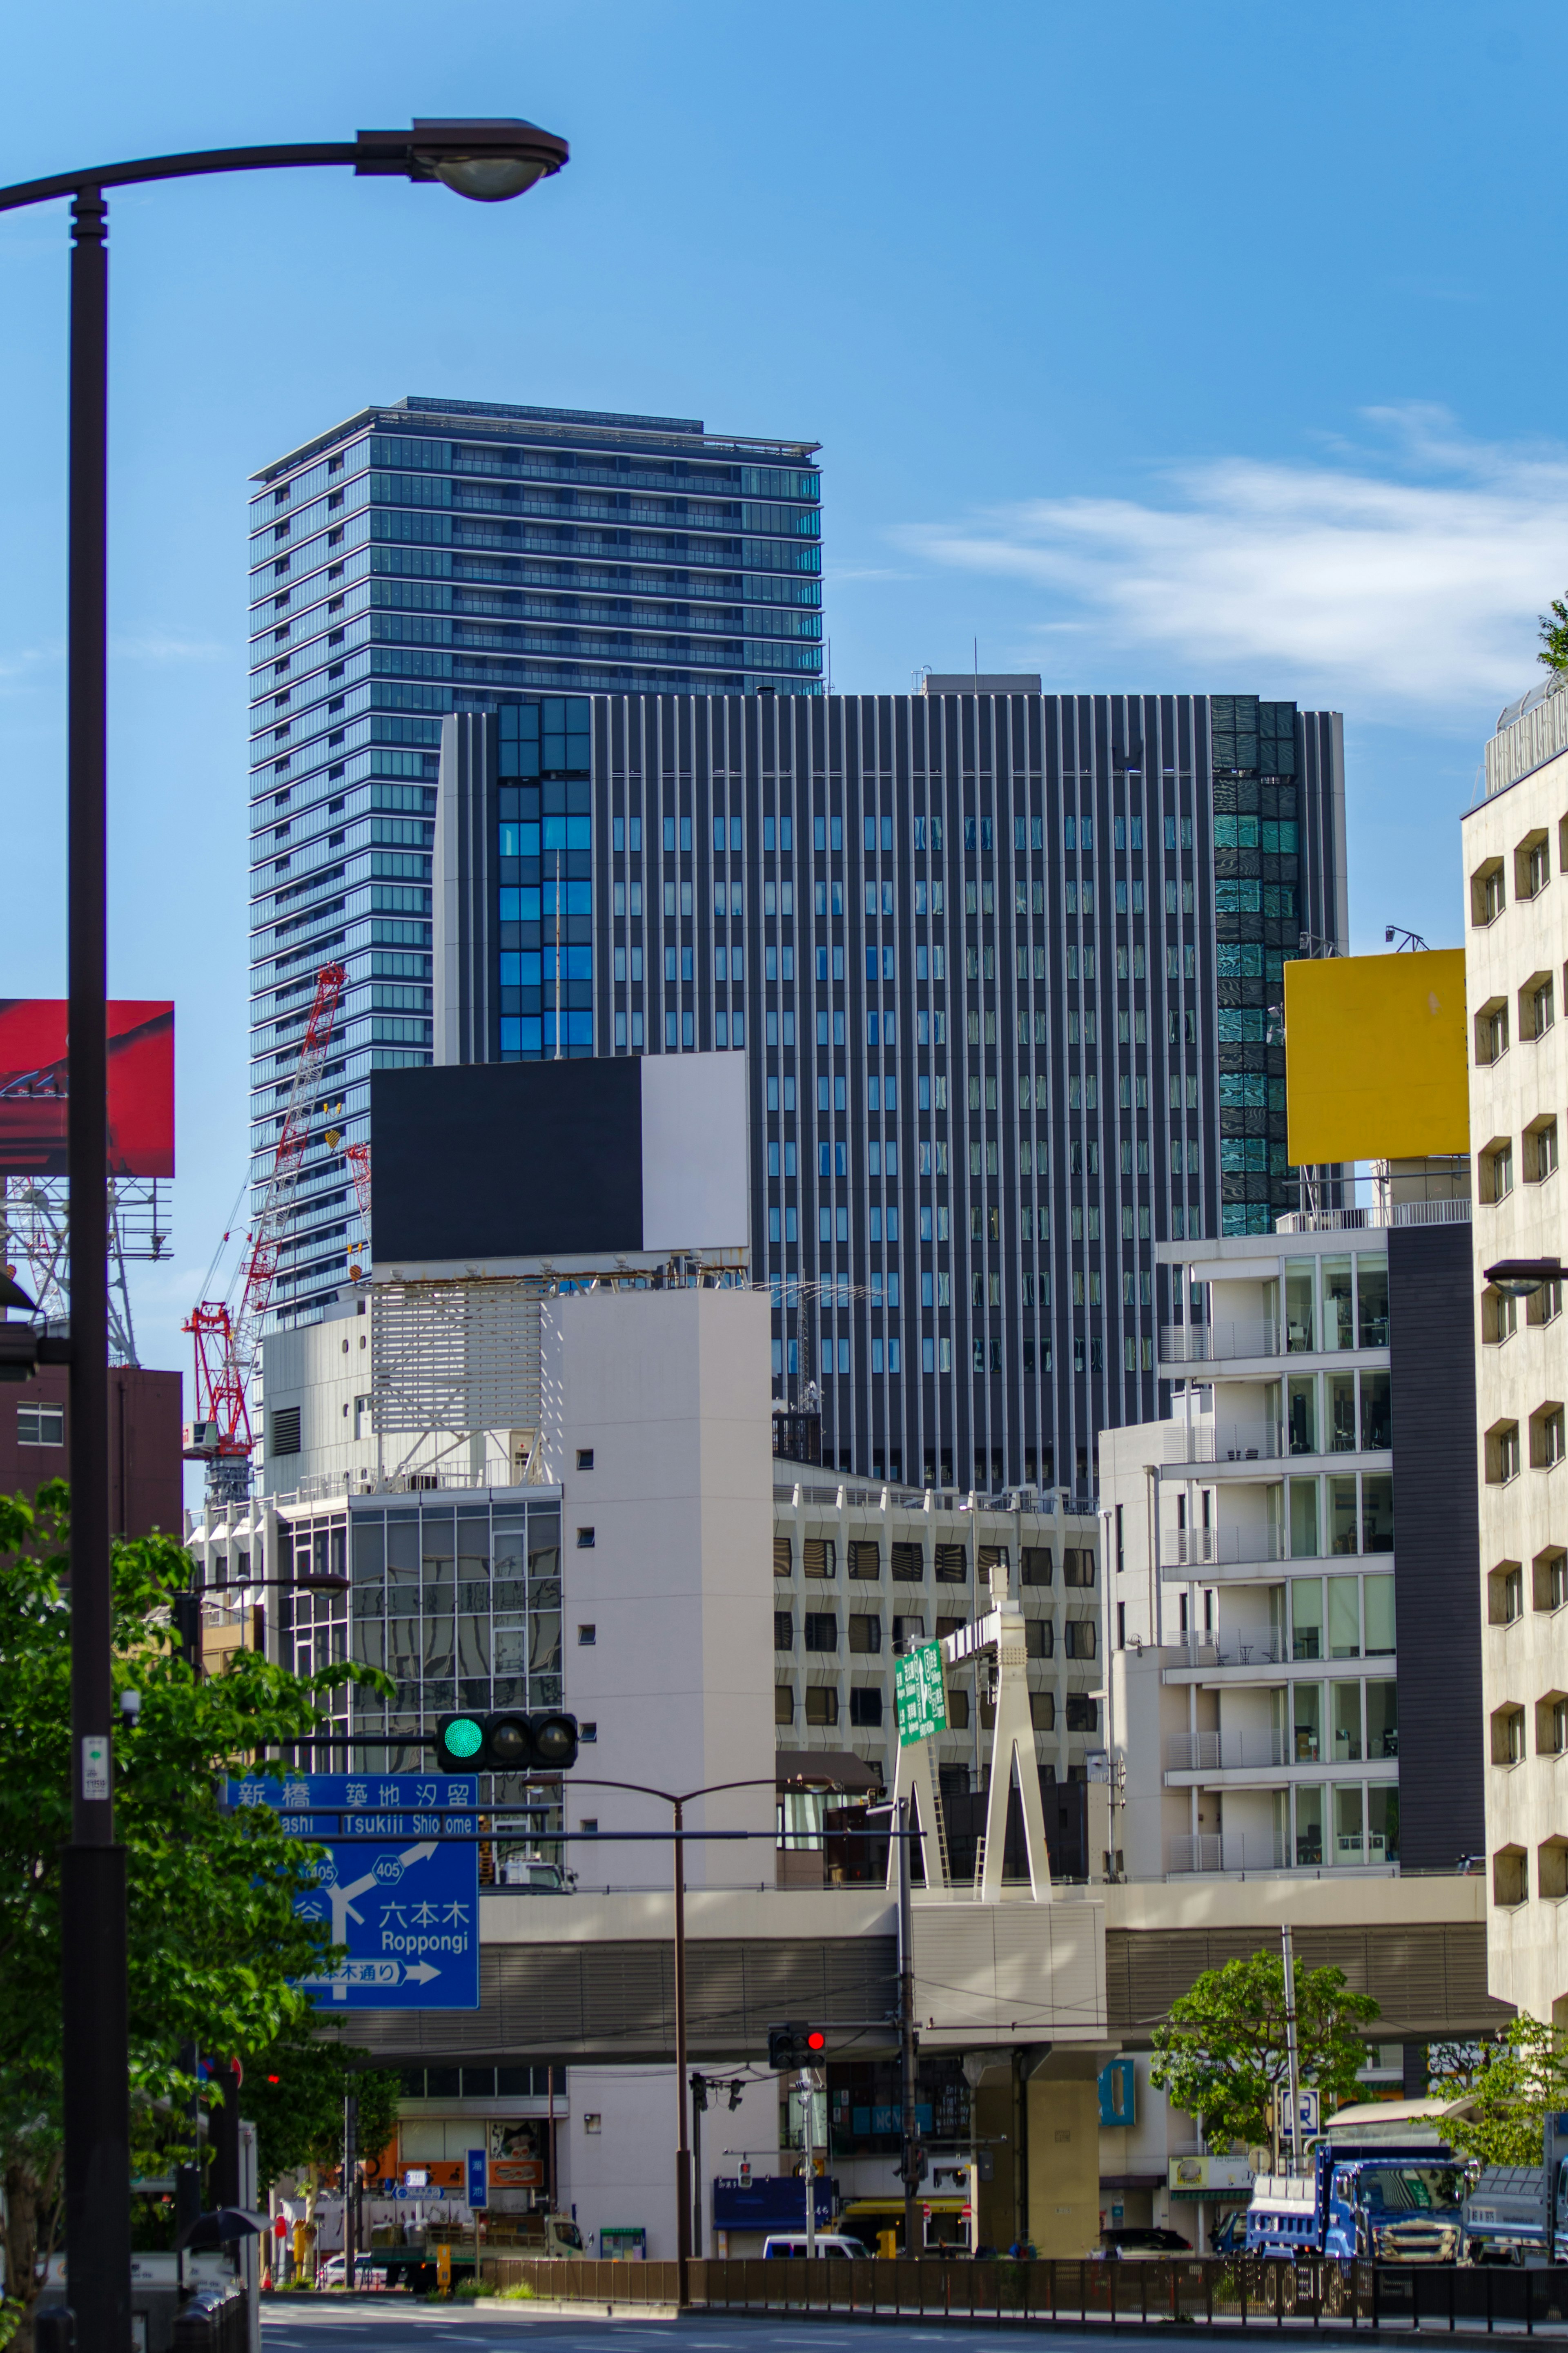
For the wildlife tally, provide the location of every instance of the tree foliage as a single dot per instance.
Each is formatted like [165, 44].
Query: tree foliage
[1553, 654]
[1223, 2053]
[1516, 2083]
[214, 1945]
[294, 2094]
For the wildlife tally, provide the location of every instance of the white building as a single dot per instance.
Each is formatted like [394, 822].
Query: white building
[1516, 869]
[1255, 1685]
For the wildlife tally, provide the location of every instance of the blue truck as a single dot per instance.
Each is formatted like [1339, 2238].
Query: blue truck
[1380, 2201]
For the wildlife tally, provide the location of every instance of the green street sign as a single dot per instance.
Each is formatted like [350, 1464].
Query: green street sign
[921, 1694]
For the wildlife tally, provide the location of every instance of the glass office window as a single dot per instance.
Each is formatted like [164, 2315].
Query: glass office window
[1350, 1844]
[1300, 1322]
[1307, 1617]
[1342, 1515]
[1345, 1617]
[1377, 1513]
[1309, 1827]
[1339, 1305]
[1307, 1723]
[1382, 1720]
[1345, 1708]
[1341, 1413]
[1378, 1604]
[1301, 1410]
[1371, 1300]
[1376, 1413]
[1304, 1539]
[1382, 1823]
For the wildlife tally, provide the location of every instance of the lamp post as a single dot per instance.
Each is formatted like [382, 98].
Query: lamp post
[487, 161]
[683, 2192]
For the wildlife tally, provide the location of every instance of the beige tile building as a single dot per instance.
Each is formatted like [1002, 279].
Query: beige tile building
[1516, 881]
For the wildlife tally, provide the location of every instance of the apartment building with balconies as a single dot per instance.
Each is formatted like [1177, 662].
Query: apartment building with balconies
[1516, 873]
[1276, 1549]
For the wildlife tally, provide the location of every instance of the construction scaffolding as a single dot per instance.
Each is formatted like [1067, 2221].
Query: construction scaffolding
[35, 1246]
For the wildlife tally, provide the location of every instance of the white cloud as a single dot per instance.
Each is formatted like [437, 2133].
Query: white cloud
[163, 646]
[1405, 574]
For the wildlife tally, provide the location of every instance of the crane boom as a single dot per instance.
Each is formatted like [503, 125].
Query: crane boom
[225, 1338]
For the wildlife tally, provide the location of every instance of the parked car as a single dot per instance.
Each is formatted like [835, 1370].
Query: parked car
[1126, 2242]
[829, 2243]
[1230, 2237]
[331, 2273]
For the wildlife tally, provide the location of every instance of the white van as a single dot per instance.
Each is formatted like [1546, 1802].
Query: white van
[829, 2243]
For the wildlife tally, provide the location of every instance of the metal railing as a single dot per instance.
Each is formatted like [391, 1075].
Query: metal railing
[1226, 1752]
[1184, 1549]
[1191, 2290]
[1223, 1442]
[1355, 1222]
[1215, 1344]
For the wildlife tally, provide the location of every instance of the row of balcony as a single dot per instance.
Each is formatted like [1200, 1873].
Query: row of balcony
[1260, 1751]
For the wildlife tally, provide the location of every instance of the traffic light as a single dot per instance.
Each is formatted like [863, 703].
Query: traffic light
[795, 2046]
[918, 2167]
[506, 1743]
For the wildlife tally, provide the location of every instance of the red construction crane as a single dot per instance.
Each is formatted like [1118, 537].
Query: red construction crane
[358, 1158]
[226, 1336]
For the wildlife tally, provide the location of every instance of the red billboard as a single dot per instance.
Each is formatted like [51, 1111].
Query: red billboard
[35, 1087]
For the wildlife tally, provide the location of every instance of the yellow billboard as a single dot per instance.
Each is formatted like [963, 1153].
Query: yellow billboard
[1375, 1066]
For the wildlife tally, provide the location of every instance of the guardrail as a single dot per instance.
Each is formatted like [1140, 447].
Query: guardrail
[1195, 2290]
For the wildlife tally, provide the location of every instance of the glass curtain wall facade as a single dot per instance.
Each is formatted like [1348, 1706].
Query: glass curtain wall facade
[437, 556]
[1002, 969]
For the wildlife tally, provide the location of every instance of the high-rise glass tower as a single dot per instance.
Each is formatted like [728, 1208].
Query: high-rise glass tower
[439, 556]
[1006, 968]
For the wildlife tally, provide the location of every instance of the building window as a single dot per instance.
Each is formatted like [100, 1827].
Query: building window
[585, 1539]
[784, 1703]
[44, 1425]
[866, 1706]
[1083, 1712]
[588, 1734]
[1078, 1566]
[1532, 867]
[822, 1704]
[283, 1430]
[1042, 1711]
[1487, 895]
[587, 1636]
[821, 1629]
[1539, 1151]
[819, 1557]
[783, 1631]
[584, 1458]
[1509, 1876]
[1505, 1594]
[1035, 1565]
[1497, 1170]
[865, 1633]
[783, 1561]
[1491, 1030]
[1080, 1638]
[1546, 1438]
[1507, 1734]
[1549, 1578]
[1039, 1637]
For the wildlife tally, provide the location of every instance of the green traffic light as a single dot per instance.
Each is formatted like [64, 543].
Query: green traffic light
[464, 1737]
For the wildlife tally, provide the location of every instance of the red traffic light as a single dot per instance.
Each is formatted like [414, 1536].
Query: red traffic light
[816, 2040]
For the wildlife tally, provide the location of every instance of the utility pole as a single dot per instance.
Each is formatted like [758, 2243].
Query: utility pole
[698, 2101]
[808, 2103]
[909, 2066]
[1291, 2059]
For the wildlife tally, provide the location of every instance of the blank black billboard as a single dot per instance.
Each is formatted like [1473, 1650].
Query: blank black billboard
[489, 1160]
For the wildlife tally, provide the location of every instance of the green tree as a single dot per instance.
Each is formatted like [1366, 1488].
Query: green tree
[214, 1945]
[1516, 2083]
[294, 2096]
[1553, 654]
[1223, 2056]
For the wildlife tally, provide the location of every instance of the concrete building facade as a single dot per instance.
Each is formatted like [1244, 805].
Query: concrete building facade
[1516, 876]
[1260, 1572]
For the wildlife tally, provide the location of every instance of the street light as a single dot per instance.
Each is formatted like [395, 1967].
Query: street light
[487, 161]
[1521, 1278]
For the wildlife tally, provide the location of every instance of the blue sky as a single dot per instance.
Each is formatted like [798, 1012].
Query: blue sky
[1158, 345]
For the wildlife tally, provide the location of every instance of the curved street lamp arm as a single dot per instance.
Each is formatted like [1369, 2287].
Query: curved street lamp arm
[175, 167]
[418, 153]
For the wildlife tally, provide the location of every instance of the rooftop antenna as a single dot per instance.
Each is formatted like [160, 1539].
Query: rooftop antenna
[977, 665]
[1403, 939]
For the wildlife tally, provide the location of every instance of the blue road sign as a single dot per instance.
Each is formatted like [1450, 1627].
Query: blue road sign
[403, 1899]
[478, 2178]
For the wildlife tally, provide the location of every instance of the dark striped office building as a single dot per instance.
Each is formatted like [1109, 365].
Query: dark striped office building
[1007, 968]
